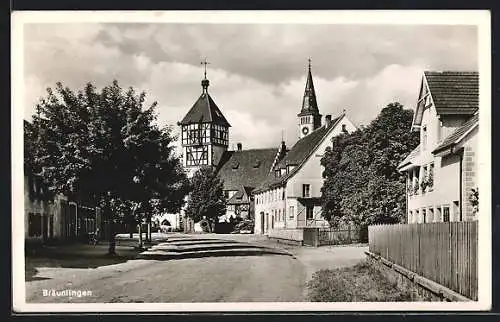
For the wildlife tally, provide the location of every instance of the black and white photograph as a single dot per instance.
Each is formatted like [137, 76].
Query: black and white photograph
[251, 161]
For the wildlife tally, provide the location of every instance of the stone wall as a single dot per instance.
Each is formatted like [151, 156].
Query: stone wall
[420, 288]
[295, 235]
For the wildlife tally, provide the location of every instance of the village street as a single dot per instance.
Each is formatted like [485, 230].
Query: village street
[269, 272]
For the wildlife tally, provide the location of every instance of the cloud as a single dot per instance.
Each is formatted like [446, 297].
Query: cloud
[257, 72]
[272, 53]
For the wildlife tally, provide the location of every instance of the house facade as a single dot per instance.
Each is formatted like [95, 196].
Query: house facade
[48, 218]
[442, 171]
[290, 196]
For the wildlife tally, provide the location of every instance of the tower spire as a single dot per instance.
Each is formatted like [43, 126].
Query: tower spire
[205, 82]
[309, 117]
[309, 104]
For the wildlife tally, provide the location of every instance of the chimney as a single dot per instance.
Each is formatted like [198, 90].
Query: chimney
[328, 120]
[239, 146]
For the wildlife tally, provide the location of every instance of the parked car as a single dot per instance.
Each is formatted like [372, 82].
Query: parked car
[244, 227]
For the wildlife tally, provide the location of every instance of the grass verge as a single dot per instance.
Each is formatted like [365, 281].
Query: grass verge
[359, 283]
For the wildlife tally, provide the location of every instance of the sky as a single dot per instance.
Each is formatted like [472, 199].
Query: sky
[257, 72]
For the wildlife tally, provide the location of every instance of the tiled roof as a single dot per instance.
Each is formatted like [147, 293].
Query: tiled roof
[247, 168]
[453, 138]
[297, 155]
[205, 110]
[454, 92]
[410, 158]
[303, 148]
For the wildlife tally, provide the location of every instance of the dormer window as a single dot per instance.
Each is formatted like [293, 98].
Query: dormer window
[256, 164]
[235, 165]
[277, 173]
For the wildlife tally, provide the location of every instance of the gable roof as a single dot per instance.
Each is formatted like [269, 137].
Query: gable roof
[305, 146]
[458, 134]
[240, 197]
[454, 92]
[247, 168]
[205, 110]
[297, 155]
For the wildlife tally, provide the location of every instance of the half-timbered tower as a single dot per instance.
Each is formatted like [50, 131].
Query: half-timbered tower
[204, 132]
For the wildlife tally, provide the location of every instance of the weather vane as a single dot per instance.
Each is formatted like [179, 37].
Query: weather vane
[205, 63]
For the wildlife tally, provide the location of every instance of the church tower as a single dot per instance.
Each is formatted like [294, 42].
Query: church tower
[309, 117]
[204, 131]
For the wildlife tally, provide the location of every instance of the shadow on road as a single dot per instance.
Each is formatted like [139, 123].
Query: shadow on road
[207, 248]
[75, 256]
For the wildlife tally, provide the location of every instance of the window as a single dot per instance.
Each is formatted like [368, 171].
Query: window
[226, 194]
[309, 212]
[439, 130]
[306, 193]
[446, 214]
[291, 213]
[430, 177]
[424, 215]
[279, 214]
[416, 184]
[283, 194]
[430, 214]
[423, 181]
[410, 217]
[417, 215]
[424, 137]
[438, 217]
[197, 155]
[344, 128]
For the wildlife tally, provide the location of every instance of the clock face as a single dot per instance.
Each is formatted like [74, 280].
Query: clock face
[305, 130]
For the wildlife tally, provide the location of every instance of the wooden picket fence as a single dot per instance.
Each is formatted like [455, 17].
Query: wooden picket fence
[446, 253]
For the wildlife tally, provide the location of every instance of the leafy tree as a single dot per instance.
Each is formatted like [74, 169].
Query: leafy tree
[105, 147]
[362, 185]
[206, 200]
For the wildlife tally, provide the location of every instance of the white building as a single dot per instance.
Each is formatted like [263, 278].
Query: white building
[290, 196]
[442, 170]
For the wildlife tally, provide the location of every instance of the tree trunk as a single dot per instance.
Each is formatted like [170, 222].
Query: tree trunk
[112, 241]
[131, 227]
[140, 234]
[149, 230]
